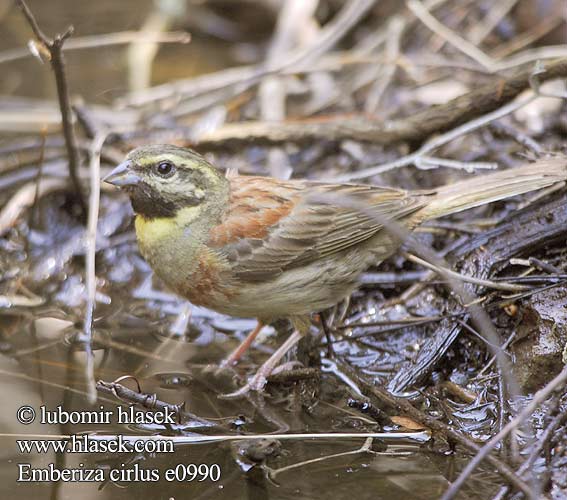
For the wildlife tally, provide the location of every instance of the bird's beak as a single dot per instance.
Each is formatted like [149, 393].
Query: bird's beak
[122, 176]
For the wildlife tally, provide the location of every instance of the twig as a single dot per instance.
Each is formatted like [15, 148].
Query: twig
[389, 278]
[437, 142]
[403, 406]
[428, 162]
[150, 402]
[509, 287]
[489, 63]
[39, 175]
[141, 57]
[494, 15]
[24, 198]
[57, 61]
[542, 441]
[365, 448]
[416, 128]
[450, 36]
[382, 330]
[191, 88]
[30, 117]
[529, 37]
[104, 40]
[349, 15]
[503, 347]
[532, 55]
[396, 322]
[483, 453]
[94, 202]
[415, 437]
[86, 120]
[229, 83]
[518, 136]
[292, 19]
[366, 407]
[395, 29]
[20, 301]
[544, 266]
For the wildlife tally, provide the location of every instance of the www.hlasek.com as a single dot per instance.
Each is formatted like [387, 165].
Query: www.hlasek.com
[89, 443]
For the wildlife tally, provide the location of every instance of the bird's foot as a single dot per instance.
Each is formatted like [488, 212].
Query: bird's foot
[235, 355]
[258, 381]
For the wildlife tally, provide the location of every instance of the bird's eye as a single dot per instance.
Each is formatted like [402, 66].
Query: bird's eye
[165, 169]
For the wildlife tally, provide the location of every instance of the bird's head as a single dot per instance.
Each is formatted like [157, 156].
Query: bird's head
[162, 179]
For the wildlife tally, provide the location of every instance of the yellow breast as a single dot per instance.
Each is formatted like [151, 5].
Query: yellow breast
[153, 232]
[177, 254]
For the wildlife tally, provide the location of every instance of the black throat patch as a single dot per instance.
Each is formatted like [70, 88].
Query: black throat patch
[149, 203]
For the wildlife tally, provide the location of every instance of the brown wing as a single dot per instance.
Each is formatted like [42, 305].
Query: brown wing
[272, 226]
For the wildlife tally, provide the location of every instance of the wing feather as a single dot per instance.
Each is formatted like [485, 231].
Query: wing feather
[271, 226]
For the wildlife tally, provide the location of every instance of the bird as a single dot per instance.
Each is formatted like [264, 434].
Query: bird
[265, 248]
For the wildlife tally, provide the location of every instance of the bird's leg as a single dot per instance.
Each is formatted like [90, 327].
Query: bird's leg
[324, 324]
[235, 355]
[259, 380]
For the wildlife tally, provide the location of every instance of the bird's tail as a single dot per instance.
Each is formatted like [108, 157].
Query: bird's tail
[496, 186]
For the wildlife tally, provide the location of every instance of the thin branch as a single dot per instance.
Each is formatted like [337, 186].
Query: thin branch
[534, 54]
[530, 36]
[24, 199]
[437, 142]
[40, 35]
[150, 402]
[415, 128]
[544, 439]
[403, 406]
[392, 51]
[421, 12]
[39, 176]
[509, 287]
[231, 82]
[94, 202]
[538, 399]
[493, 17]
[489, 63]
[365, 448]
[349, 15]
[104, 40]
[57, 61]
